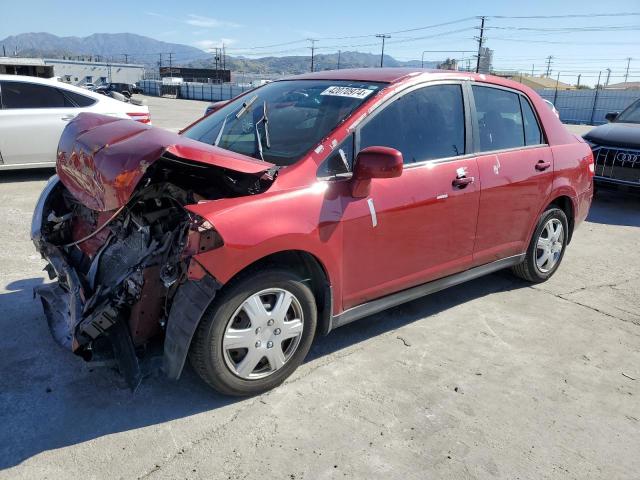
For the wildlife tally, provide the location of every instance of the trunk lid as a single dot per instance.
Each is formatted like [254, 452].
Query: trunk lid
[102, 159]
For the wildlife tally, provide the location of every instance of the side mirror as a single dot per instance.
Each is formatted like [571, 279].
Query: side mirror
[611, 116]
[374, 162]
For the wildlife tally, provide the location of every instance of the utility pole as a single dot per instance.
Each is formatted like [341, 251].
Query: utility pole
[339, 53]
[578, 84]
[533, 67]
[126, 57]
[626, 75]
[480, 42]
[606, 83]
[160, 67]
[170, 65]
[549, 58]
[555, 95]
[313, 50]
[4, 54]
[383, 37]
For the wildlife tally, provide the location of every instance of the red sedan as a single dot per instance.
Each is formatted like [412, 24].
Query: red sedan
[296, 208]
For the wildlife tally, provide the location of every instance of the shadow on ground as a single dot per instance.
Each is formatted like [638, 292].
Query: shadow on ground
[30, 175]
[615, 208]
[50, 399]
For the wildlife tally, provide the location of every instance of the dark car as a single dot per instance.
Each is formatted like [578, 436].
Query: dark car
[616, 149]
[126, 89]
[297, 208]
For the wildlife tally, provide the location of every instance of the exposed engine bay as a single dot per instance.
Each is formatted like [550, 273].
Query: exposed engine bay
[118, 270]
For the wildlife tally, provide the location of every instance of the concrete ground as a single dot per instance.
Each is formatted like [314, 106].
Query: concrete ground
[490, 379]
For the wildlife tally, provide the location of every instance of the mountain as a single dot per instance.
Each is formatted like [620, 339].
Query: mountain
[301, 64]
[145, 50]
[139, 49]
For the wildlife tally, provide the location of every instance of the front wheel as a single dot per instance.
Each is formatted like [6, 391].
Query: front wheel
[255, 334]
[546, 248]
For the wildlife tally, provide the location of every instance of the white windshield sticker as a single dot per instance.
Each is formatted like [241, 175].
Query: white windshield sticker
[350, 92]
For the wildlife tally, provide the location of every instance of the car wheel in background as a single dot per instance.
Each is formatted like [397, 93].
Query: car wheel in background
[255, 334]
[546, 248]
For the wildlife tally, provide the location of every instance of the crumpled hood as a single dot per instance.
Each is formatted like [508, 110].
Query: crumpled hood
[101, 159]
[616, 134]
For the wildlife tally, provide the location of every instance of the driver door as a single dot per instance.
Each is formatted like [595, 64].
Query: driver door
[420, 226]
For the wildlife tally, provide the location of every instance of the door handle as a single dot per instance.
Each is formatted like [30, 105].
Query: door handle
[462, 182]
[66, 118]
[542, 165]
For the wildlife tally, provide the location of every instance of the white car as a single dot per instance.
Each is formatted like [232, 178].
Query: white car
[34, 111]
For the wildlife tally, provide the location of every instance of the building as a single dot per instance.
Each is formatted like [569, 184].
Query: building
[202, 75]
[33, 67]
[76, 72]
[537, 83]
[623, 86]
[486, 60]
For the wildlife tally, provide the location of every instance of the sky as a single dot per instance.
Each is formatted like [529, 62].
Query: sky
[585, 45]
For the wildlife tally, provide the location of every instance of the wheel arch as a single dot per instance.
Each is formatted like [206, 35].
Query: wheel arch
[311, 270]
[566, 204]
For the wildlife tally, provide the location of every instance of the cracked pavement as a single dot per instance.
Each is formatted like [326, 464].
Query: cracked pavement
[490, 379]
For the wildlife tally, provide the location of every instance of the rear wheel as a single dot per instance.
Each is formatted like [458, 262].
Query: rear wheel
[546, 248]
[256, 334]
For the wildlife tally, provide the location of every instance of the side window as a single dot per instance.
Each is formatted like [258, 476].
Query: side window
[499, 118]
[31, 95]
[532, 133]
[425, 124]
[78, 100]
[340, 161]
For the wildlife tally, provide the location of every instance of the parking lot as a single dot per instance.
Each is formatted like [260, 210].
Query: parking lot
[493, 378]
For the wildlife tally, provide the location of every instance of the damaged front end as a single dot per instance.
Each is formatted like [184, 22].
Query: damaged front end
[120, 243]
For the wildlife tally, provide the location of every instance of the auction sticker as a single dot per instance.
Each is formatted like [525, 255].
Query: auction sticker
[350, 92]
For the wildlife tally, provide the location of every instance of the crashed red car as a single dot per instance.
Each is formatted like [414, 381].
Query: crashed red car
[297, 208]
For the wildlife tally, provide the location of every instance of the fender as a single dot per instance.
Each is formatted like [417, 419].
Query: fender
[305, 219]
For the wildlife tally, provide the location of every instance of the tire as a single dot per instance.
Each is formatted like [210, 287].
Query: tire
[530, 269]
[221, 367]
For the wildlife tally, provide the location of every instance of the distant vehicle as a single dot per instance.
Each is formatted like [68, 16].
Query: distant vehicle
[616, 149]
[552, 107]
[296, 208]
[34, 111]
[126, 89]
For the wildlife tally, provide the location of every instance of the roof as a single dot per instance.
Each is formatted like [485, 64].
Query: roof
[390, 75]
[542, 82]
[624, 86]
[21, 61]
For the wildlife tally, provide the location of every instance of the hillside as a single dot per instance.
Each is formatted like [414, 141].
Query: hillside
[108, 45]
[145, 50]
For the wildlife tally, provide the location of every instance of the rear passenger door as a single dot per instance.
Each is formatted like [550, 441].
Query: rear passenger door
[516, 171]
[419, 226]
[31, 121]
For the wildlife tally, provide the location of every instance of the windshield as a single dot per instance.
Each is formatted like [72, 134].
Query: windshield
[631, 114]
[283, 120]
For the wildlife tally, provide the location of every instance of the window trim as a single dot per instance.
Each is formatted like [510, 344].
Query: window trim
[468, 135]
[476, 126]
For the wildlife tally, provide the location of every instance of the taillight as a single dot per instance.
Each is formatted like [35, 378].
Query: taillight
[140, 117]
